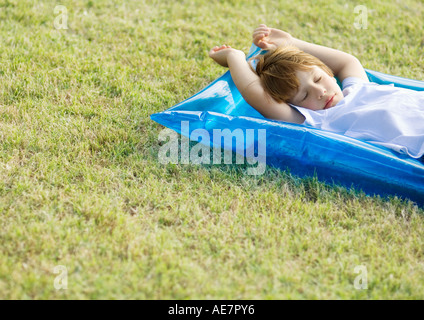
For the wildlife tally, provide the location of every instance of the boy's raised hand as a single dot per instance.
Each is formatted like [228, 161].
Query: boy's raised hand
[220, 54]
[270, 38]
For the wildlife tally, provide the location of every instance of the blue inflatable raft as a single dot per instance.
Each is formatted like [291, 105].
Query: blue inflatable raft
[305, 151]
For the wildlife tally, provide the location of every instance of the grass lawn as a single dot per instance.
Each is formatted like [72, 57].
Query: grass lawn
[81, 185]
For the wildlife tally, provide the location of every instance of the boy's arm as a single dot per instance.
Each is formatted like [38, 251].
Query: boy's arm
[247, 82]
[341, 63]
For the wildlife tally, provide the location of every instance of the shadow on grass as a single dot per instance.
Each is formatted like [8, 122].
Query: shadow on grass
[308, 189]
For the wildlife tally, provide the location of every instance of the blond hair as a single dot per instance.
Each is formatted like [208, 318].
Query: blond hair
[277, 71]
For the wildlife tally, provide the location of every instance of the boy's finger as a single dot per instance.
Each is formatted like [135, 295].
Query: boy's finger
[258, 32]
[257, 36]
[261, 29]
[259, 39]
[262, 26]
[263, 45]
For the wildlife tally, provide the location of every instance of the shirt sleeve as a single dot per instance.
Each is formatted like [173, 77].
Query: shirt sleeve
[350, 81]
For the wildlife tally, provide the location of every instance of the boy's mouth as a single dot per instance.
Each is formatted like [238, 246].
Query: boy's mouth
[329, 101]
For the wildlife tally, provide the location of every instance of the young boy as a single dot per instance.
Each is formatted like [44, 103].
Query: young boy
[294, 82]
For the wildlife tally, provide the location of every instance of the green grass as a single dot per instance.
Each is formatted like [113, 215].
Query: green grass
[81, 185]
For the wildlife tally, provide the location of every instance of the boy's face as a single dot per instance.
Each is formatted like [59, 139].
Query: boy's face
[317, 90]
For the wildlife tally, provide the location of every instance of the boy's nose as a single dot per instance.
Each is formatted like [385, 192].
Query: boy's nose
[321, 92]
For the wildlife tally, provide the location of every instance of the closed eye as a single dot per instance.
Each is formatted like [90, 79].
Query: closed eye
[306, 95]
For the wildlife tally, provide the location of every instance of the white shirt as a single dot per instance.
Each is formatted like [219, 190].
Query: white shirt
[384, 115]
